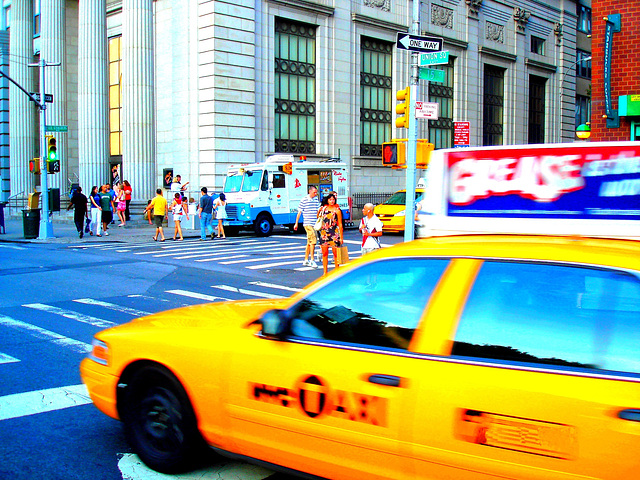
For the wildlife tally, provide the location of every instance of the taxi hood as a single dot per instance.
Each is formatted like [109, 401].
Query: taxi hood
[208, 316]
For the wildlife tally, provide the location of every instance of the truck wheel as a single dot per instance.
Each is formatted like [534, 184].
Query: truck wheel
[263, 226]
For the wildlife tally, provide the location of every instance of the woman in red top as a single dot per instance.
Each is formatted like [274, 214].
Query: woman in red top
[127, 196]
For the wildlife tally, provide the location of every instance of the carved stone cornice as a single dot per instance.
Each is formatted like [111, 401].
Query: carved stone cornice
[307, 5]
[441, 16]
[384, 5]
[473, 7]
[521, 17]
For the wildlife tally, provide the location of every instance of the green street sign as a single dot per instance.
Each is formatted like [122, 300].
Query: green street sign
[432, 75]
[434, 58]
[56, 128]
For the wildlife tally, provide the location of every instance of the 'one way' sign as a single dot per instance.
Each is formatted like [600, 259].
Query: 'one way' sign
[417, 43]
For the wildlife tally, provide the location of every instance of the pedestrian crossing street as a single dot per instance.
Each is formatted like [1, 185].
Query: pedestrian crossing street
[250, 253]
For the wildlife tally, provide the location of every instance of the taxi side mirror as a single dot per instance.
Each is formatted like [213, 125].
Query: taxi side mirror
[275, 324]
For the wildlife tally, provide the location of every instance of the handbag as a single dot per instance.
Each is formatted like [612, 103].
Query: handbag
[318, 224]
[87, 225]
[342, 255]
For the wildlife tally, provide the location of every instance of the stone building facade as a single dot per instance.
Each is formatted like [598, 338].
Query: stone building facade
[148, 87]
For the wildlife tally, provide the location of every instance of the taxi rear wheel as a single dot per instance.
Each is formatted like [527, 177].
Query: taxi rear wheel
[159, 421]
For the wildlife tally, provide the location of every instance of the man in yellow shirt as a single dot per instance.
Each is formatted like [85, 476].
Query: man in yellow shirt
[159, 205]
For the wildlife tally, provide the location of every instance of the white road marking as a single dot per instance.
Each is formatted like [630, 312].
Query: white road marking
[41, 333]
[199, 296]
[132, 468]
[113, 306]
[273, 285]
[13, 247]
[246, 292]
[269, 265]
[79, 317]
[4, 358]
[40, 401]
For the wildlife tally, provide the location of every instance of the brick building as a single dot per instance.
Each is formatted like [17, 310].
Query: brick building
[616, 92]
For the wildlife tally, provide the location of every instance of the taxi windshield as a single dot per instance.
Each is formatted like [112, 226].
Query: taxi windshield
[252, 180]
[232, 183]
[400, 198]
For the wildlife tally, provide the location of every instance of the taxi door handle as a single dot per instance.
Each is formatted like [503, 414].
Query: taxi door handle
[389, 380]
[631, 414]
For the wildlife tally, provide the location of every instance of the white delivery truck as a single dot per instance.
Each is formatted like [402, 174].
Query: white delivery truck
[261, 195]
[575, 188]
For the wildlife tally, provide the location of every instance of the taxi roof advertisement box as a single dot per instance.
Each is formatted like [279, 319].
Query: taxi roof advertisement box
[590, 181]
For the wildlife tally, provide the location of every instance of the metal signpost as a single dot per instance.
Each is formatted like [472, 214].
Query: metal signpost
[416, 44]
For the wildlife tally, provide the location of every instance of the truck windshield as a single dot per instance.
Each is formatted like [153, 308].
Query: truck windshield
[232, 183]
[252, 181]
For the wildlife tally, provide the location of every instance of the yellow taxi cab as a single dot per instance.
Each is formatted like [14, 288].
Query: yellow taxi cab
[391, 211]
[462, 357]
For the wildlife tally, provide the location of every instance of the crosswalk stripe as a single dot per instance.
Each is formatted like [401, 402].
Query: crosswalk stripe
[273, 285]
[218, 251]
[40, 401]
[79, 317]
[269, 265]
[43, 334]
[254, 259]
[211, 258]
[113, 306]
[199, 296]
[246, 292]
[4, 358]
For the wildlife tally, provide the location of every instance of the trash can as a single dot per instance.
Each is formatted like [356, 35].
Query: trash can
[2, 227]
[31, 222]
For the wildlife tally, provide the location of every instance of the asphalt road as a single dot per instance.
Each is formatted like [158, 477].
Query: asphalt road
[56, 296]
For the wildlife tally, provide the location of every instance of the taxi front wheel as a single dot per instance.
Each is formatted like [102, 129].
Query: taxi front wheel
[159, 421]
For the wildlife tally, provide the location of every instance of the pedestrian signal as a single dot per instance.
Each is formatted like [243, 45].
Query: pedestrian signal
[52, 150]
[403, 108]
[423, 153]
[393, 154]
[34, 166]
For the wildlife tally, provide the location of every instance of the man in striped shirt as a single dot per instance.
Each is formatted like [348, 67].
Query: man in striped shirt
[308, 208]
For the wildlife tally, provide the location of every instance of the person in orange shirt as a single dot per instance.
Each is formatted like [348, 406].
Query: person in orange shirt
[159, 205]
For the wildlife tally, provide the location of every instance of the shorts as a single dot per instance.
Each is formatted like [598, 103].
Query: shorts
[312, 239]
[157, 220]
[107, 216]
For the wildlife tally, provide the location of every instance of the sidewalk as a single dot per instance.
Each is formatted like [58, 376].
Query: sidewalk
[64, 231]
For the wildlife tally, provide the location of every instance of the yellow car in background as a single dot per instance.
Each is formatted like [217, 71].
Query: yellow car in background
[477, 357]
[391, 211]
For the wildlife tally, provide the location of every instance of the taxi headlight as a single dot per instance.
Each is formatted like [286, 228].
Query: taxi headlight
[399, 214]
[99, 352]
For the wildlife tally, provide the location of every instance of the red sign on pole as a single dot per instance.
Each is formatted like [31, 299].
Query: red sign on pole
[461, 134]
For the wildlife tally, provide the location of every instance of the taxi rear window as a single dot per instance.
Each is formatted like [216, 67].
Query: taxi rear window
[574, 317]
[378, 304]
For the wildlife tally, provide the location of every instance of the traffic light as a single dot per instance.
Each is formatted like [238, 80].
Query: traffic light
[34, 166]
[403, 108]
[423, 154]
[52, 151]
[287, 168]
[393, 154]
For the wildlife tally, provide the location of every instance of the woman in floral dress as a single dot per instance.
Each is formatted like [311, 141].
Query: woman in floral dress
[331, 232]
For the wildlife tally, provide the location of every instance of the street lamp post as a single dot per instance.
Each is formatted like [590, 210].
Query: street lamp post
[564, 76]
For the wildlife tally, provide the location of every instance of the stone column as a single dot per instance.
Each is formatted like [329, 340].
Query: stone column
[23, 112]
[52, 50]
[138, 122]
[93, 94]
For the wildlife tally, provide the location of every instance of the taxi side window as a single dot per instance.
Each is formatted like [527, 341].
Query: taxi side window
[573, 317]
[377, 304]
